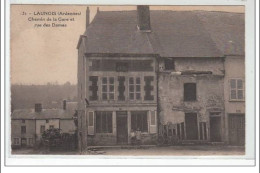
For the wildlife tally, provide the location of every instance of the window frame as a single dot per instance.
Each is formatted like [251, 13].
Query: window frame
[101, 130]
[135, 88]
[136, 119]
[184, 95]
[108, 92]
[173, 64]
[236, 89]
[23, 129]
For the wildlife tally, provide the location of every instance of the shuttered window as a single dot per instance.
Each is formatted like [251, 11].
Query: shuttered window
[90, 123]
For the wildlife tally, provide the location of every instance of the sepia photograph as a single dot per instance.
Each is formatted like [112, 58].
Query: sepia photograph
[138, 80]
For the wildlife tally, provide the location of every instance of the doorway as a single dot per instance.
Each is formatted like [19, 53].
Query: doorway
[236, 126]
[23, 142]
[191, 125]
[215, 128]
[121, 126]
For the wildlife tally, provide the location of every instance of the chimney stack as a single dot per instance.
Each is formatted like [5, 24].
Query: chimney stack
[38, 107]
[64, 105]
[143, 18]
[87, 17]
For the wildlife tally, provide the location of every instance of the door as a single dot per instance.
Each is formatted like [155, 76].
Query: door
[23, 142]
[121, 126]
[191, 125]
[236, 125]
[215, 129]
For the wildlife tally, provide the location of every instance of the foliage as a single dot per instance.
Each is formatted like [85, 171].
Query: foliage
[55, 139]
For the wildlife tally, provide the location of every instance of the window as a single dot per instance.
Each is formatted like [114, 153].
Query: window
[23, 121]
[23, 129]
[47, 121]
[108, 88]
[148, 88]
[139, 121]
[203, 131]
[16, 141]
[30, 141]
[93, 88]
[236, 89]
[169, 64]
[42, 129]
[51, 127]
[190, 92]
[135, 88]
[104, 122]
[121, 88]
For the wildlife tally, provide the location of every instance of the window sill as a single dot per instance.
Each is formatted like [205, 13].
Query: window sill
[236, 100]
[189, 101]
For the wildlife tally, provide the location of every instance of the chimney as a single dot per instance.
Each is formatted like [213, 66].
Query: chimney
[87, 17]
[38, 107]
[143, 18]
[64, 105]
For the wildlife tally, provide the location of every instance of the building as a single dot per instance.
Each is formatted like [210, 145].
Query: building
[27, 125]
[157, 71]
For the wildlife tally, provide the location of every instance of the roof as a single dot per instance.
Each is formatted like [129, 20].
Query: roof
[173, 34]
[44, 114]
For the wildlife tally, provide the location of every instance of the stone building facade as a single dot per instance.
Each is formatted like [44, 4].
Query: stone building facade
[156, 71]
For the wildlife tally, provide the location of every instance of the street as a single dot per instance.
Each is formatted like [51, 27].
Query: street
[205, 150]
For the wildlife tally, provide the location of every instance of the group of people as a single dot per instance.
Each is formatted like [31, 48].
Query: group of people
[135, 136]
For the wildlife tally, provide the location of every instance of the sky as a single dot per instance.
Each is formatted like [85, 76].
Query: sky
[41, 55]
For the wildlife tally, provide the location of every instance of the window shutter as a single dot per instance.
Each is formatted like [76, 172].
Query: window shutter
[90, 123]
[153, 121]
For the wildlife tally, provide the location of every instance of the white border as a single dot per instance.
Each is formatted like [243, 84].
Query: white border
[248, 159]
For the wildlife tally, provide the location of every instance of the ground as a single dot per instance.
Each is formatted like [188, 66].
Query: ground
[146, 151]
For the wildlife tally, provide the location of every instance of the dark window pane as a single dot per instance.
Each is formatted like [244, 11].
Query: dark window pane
[169, 64]
[131, 80]
[233, 83]
[138, 88]
[233, 94]
[138, 96]
[239, 84]
[189, 92]
[131, 96]
[139, 121]
[138, 81]
[104, 80]
[104, 88]
[111, 80]
[205, 131]
[111, 88]
[131, 88]
[98, 122]
[109, 122]
[240, 94]
[148, 88]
